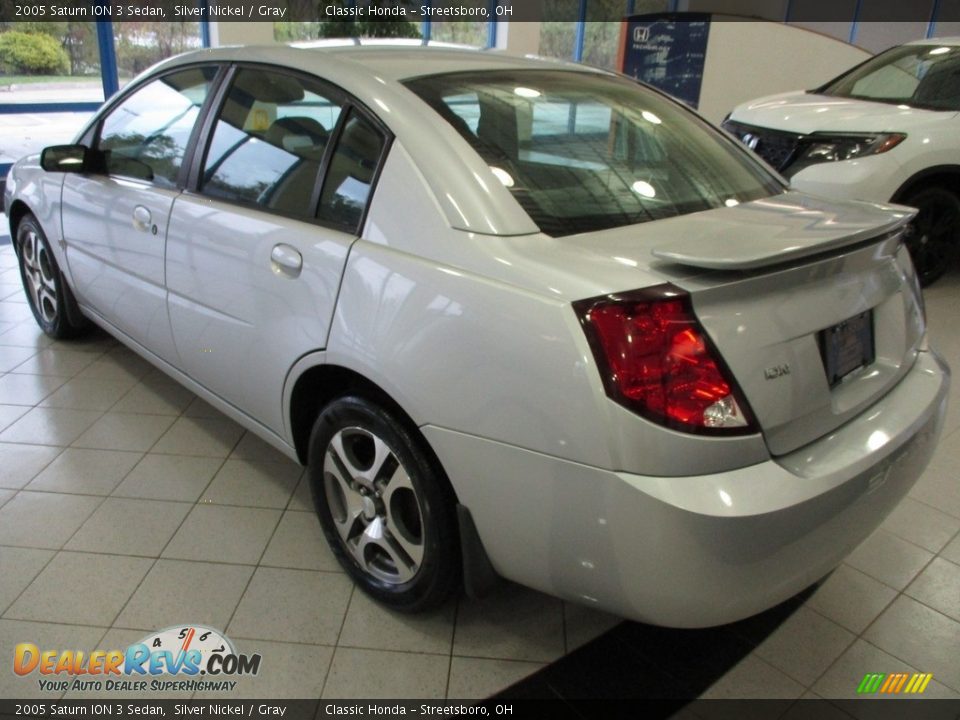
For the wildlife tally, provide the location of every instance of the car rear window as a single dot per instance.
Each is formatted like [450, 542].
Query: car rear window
[583, 151]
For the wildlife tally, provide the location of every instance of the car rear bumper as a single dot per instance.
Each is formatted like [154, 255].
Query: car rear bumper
[703, 550]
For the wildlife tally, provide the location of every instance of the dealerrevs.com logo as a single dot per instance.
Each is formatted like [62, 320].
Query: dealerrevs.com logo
[180, 658]
[894, 683]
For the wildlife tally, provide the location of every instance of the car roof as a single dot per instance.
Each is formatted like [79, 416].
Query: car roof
[395, 60]
[402, 61]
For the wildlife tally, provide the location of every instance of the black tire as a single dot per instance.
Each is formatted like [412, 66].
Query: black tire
[934, 234]
[385, 505]
[48, 294]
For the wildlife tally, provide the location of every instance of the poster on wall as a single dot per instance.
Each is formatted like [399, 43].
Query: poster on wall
[667, 52]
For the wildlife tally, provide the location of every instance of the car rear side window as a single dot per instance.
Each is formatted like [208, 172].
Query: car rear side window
[346, 189]
[269, 140]
[146, 135]
[583, 151]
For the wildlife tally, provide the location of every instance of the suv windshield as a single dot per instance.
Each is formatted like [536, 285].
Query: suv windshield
[923, 76]
[583, 151]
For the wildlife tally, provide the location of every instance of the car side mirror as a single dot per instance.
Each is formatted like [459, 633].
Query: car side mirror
[65, 158]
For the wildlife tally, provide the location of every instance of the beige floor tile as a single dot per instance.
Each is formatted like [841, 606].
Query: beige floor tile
[251, 447]
[211, 592]
[219, 533]
[50, 426]
[25, 334]
[9, 414]
[253, 484]
[939, 587]
[200, 436]
[292, 606]
[379, 674]
[287, 670]
[119, 364]
[301, 498]
[479, 678]
[47, 636]
[939, 487]
[583, 624]
[851, 598]
[370, 625]
[155, 396]
[87, 472]
[299, 543]
[59, 361]
[920, 636]
[129, 526]
[805, 645]
[27, 389]
[952, 551]
[18, 568]
[753, 678]
[19, 464]
[512, 623]
[14, 312]
[922, 525]
[44, 520]
[169, 477]
[86, 394]
[199, 408]
[6, 495]
[80, 588]
[124, 431]
[890, 559]
[11, 356]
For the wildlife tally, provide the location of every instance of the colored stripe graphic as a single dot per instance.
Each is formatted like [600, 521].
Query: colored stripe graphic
[894, 683]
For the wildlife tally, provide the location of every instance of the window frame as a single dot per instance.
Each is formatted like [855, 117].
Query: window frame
[207, 121]
[92, 136]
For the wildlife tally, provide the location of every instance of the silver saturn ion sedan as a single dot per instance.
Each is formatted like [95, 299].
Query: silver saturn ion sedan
[519, 318]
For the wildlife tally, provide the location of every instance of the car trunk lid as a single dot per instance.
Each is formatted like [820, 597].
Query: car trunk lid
[815, 314]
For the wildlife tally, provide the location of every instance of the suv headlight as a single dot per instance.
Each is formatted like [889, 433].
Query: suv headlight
[833, 147]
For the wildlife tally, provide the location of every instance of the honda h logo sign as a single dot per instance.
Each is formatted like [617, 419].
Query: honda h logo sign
[641, 33]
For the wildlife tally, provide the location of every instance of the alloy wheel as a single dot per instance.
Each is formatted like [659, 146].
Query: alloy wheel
[374, 505]
[39, 273]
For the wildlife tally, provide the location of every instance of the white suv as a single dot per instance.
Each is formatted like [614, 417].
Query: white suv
[888, 129]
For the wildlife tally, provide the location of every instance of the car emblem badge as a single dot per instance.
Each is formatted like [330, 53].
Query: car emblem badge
[777, 371]
[751, 140]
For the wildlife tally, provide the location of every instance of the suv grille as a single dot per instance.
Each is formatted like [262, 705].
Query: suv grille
[778, 148]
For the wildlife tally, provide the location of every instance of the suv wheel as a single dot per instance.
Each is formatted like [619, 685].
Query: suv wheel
[933, 236]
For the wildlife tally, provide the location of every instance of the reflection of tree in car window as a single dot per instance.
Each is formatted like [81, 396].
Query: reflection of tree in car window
[146, 136]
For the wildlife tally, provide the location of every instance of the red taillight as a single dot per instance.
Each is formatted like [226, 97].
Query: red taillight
[657, 361]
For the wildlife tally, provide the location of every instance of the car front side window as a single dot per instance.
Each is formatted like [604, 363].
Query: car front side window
[146, 135]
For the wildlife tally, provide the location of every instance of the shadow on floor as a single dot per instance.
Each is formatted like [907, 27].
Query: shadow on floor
[634, 661]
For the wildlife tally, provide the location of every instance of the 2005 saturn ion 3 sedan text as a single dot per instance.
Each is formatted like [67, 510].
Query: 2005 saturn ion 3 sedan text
[519, 318]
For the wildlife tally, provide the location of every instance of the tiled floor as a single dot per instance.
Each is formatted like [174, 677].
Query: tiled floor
[128, 505]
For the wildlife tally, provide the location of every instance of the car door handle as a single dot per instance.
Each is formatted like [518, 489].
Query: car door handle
[142, 218]
[286, 259]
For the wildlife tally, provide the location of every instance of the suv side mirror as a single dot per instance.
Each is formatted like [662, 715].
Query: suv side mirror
[65, 158]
